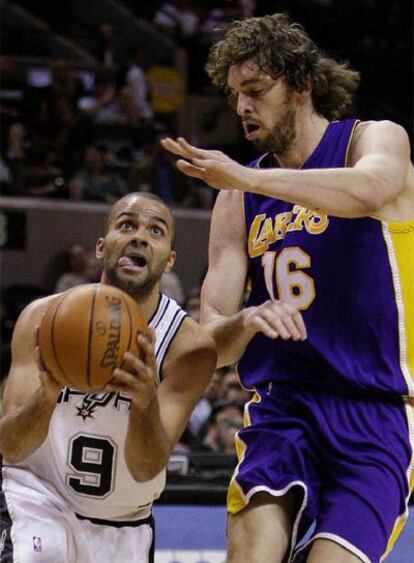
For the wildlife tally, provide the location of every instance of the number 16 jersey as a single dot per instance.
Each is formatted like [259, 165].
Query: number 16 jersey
[352, 280]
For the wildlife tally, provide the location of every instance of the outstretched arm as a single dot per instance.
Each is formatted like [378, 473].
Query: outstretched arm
[30, 394]
[376, 177]
[224, 286]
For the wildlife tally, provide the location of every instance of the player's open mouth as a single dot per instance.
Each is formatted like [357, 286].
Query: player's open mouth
[132, 262]
[250, 129]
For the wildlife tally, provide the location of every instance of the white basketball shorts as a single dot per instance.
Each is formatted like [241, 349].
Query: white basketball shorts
[37, 526]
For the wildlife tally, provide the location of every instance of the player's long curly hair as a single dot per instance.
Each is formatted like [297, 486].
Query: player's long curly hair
[282, 48]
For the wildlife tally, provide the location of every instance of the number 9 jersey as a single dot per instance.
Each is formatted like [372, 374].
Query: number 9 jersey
[83, 456]
[352, 280]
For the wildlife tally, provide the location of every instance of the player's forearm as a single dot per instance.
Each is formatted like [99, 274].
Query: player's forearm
[147, 447]
[25, 428]
[229, 333]
[341, 192]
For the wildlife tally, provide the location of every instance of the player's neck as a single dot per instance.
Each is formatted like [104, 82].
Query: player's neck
[149, 303]
[309, 132]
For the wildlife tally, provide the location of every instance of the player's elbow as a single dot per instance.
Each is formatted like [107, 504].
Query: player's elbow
[371, 202]
[374, 191]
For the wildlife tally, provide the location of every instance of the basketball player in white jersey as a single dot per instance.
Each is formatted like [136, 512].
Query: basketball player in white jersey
[80, 471]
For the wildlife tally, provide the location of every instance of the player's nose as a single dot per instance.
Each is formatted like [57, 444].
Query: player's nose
[243, 104]
[140, 237]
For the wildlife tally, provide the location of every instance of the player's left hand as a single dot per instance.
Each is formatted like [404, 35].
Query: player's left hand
[213, 167]
[137, 376]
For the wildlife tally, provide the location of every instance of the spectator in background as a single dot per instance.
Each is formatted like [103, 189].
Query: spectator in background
[65, 84]
[232, 389]
[105, 51]
[74, 274]
[178, 19]
[204, 406]
[44, 173]
[93, 268]
[16, 155]
[12, 89]
[136, 80]
[228, 429]
[154, 170]
[5, 177]
[225, 419]
[93, 181]
[107, 105]
[51, 111]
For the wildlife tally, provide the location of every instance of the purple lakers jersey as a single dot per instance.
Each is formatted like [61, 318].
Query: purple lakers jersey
[352, 280]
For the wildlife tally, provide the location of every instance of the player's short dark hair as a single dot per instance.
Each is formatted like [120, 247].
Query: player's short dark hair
[282, 48]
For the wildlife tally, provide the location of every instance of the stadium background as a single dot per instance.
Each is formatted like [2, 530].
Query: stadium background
[88, 88]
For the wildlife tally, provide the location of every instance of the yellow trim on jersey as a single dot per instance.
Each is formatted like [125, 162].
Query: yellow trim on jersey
[402, 239]
[236, 499]
[349, 143]
[399, 239]
[402, 518]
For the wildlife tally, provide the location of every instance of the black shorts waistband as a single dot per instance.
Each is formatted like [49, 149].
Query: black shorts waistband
[119, 523]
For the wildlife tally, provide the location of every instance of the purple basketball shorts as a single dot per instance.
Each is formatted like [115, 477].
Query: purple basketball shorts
[349, 458]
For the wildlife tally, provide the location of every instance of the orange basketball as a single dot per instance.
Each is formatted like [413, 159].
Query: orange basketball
[85, 333]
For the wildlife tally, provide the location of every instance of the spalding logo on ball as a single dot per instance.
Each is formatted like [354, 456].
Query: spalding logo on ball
[86, 331]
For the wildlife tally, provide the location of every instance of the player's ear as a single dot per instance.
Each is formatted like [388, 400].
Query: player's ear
[171, 261]
[100, 247]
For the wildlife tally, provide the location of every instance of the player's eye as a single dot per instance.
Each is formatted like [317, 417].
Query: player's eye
[126, 225]
[255, 93]
[157, 230]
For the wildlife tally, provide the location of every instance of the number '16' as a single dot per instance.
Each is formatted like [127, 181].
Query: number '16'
[293, 285]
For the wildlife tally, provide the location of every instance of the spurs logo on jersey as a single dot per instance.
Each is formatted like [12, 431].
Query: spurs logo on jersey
[91, 401]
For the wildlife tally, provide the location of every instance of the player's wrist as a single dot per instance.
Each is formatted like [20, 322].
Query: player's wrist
[251, 180]
[248, 326]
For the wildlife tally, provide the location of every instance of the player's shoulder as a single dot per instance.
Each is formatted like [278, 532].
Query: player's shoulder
[228, 198]
[365, 129]
[30, 318]
[228, 208]
[36, 309]
[371, 134]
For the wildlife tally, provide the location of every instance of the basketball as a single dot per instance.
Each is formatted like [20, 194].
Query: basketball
[85, 333]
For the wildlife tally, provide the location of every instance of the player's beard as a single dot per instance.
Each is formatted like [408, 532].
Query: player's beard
[283, 133]
[136, 288]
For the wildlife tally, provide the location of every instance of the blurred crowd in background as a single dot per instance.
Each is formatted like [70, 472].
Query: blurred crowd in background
[87, 126]
[87, 89]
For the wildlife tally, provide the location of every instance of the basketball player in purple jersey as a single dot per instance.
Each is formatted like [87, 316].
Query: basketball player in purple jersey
[322, 223]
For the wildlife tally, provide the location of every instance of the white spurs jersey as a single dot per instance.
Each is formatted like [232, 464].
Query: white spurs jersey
[83, 455]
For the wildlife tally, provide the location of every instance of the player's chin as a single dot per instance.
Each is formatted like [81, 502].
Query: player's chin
[128, 277]
[262, 143]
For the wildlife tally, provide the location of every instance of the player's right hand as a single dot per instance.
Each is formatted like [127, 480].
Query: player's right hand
[275, 319]
[137, 378]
